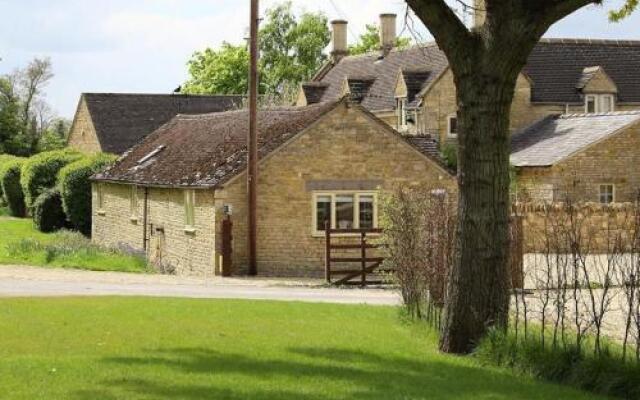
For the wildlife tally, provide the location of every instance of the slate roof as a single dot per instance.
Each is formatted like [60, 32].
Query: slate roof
[557, 137]
[122, 120]
[555, 67]
[207, 150]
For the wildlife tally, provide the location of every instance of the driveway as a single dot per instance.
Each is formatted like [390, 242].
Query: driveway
[20, 281]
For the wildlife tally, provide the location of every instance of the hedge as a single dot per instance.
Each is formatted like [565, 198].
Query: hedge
[11, 189]
[3, 159]
[75, 188]
[48, 215]
[39, 172]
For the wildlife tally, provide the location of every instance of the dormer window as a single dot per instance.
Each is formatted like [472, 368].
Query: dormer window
[599, 103]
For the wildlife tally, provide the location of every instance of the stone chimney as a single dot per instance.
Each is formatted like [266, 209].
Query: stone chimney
[339, 39]
[387, 32]
[479, 13]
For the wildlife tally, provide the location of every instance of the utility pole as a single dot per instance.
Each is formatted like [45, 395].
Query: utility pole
[252, 140]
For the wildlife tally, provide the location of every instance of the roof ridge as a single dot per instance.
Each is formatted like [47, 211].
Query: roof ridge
[586, 41]
[160, 94]
[604, 114]
[296, 109]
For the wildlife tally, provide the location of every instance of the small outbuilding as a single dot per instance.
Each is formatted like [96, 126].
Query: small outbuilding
[329, 161]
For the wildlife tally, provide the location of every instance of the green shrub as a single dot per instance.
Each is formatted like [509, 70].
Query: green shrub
[450, 155]
[75, 189]
[39, 172]
[48, 215]
[3, 159]
[11, 189]
[606, 374]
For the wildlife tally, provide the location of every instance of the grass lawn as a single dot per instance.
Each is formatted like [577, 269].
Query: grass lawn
[21, 243]
[139, 348]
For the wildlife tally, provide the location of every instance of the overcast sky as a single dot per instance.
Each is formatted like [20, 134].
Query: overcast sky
[143, 45]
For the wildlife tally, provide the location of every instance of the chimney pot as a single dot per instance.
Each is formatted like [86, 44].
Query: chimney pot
[339, 39]
[387, 32]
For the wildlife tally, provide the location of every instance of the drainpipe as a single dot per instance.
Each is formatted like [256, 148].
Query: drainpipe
[144, 219]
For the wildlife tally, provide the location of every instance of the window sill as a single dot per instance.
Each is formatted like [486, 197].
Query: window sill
[339, 235]
[189, 230]
[101, 213]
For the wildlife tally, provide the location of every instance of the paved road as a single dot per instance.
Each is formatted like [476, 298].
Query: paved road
[17, 281]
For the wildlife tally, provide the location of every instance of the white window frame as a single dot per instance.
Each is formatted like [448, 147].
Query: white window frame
[401, 110]
[601, 193]
[449, 118]
[133, 203]
[356, 208]
[598, 103]
[100, 199]
[189, 210]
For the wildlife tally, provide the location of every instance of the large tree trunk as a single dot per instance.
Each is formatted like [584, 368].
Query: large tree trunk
[478, 289]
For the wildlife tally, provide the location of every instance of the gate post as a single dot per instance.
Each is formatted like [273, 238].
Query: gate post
[327, 251]
[227, 239]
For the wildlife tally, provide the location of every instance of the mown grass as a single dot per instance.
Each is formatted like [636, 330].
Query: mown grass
[21, 243]
[140, 348]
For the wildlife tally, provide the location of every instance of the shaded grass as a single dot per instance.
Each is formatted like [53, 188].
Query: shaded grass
[135, 348]
[21, 243]
[567, 363]
[4, 211]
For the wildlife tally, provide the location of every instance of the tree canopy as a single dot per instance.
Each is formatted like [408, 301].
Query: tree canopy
[291, 50]
[370, 41]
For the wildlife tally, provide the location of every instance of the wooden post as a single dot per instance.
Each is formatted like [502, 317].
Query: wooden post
[227, 240]
[327, 251]
[252, 145]
[363, 254]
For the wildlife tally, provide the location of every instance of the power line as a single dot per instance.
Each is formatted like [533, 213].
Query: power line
[344, 16]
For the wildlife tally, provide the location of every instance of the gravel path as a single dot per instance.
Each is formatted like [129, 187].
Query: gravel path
[21, 281]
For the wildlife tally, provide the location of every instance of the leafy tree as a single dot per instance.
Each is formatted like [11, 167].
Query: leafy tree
[478, 292]
[9, 115]
[291, 51]
[370, 41]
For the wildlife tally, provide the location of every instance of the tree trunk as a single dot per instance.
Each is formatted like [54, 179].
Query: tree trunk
[478, 288]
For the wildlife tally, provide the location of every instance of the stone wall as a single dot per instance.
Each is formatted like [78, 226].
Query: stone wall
[82, 136]
[345, 146]
[612, 161]
[188, 251]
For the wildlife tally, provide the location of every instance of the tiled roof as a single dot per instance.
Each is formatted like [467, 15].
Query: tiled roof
[207, 150]
[415, 81]
[555, 67]
[313, 91]
[121, 120]
[555, 138]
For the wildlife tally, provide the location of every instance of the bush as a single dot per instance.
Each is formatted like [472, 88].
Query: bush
[48, 214]
[11, 189]
[450, 155]
[605, 374]
[75, 189]
[40, 171]
[3, 159]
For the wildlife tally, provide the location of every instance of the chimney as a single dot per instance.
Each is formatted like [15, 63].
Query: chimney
[339, 39]
[479, 13]
[387, 32]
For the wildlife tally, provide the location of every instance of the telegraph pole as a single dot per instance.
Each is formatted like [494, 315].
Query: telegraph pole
[252, 140]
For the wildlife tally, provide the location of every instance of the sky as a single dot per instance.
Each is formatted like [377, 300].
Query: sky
[143, 45]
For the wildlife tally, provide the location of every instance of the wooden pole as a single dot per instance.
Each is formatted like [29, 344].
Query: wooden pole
[252, 140]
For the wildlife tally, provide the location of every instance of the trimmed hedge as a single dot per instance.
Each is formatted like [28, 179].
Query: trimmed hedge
[11, 189]
[48, 215]
[3, 159]
[39, 172]
[75, 188]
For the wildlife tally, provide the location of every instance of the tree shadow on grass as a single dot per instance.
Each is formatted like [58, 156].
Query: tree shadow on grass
[316, 373]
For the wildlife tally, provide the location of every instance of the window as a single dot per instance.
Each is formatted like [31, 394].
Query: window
[189, 208]
[99, 199]
[133, 202]
[599, 103]
[344, 210]
[401, 108]
[607, 193]
[452, 125]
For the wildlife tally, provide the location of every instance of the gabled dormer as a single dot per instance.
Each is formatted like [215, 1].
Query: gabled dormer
[407, 87]
[357, 88]
[598, 89]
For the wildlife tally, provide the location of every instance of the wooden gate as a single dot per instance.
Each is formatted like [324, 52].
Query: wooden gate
[355, 264]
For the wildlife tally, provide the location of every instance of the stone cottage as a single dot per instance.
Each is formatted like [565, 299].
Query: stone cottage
[326, 161]
[114, 122]
[591, 157]
[413, 90]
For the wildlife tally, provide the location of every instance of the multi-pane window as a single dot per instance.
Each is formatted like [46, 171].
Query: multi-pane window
[599, 103]
[607, 194]
[345, 210]
[133, 201]
[452, 125]
[189, 208]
